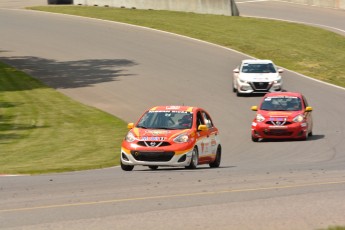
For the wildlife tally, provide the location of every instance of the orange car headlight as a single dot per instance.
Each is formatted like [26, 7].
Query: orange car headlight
[182, 138]
[130, 137]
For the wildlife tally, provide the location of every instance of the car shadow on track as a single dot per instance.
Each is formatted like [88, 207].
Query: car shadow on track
[311, 138]
[259, 95]
[177, 169]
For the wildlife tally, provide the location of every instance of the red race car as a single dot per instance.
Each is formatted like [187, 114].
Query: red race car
[282, 115]
[171, 136]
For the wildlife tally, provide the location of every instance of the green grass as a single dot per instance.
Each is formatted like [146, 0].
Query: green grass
[335, 228]
[43, 131]
[312, 51]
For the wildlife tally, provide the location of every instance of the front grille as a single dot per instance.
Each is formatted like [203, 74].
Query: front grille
[153, 143]
[276, 123]
[260, 85]
[278, 132]
[152, 156]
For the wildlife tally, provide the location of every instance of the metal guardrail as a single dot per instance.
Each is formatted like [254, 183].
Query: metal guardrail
[220, 7]
[224, 7]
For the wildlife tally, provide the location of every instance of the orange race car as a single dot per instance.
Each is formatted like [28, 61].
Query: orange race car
[171, 136]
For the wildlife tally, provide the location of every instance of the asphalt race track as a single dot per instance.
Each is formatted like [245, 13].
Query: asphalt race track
[330, 19]
[124, 70]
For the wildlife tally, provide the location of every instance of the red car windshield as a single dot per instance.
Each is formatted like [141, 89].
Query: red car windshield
[281, 104]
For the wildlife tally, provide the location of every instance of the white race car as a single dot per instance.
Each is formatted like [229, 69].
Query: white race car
[257, 76]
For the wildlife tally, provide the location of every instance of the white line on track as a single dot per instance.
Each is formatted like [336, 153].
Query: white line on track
[8, 175]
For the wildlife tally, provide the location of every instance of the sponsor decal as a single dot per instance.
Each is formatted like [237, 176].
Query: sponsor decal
[279, 113]
[279, 97]
[278, 127]
[173, 107]
[169, 111]
[277, 118]
[153, 138]
[157, 132]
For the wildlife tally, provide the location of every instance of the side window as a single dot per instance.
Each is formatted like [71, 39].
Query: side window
[199, 119]
[207, 119]
[305, 102]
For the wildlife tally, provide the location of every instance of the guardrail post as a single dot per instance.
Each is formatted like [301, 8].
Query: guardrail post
[234, 9]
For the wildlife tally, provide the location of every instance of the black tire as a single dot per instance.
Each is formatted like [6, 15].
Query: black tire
[233, 87]
[238, 94]
[255, 139]
[216, 162]
[153, 167]
[195, 159]
[127, 167]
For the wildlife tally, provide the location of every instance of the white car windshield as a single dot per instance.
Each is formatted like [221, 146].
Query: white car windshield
[166, 120]
[258, 68]
[281, 104]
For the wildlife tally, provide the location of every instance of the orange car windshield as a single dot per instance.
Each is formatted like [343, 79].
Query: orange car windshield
[166, 120]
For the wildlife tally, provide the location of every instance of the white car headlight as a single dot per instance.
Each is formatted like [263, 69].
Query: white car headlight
[130, 137]
[260, 118]
[182, 138]
[242, 81]
[278, 81]
[298, 118]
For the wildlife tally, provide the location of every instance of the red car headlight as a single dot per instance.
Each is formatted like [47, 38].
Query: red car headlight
[260, 118]
[298, 118]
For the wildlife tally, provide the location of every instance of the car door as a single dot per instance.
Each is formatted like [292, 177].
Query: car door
[202, 136]
[212, 135]
[308, 116]
[206, 148]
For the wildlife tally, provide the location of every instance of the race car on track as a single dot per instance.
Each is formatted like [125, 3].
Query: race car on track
[282, 115]
[256, 76]
[171, 136]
